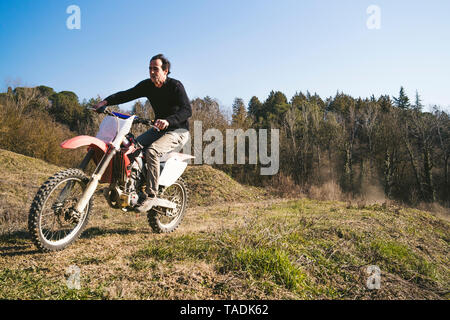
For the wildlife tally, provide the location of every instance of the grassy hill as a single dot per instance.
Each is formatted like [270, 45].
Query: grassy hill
[235, 243]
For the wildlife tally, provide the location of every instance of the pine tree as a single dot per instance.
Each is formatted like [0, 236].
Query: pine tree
[275, 106]
[402, 101]
[239, 117]
[385, 103]
[255, 108]
[418, 104]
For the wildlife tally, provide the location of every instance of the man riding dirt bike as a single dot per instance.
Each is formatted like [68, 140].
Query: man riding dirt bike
[61, 207]
[172, 111]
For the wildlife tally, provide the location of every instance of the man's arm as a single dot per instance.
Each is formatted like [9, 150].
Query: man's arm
[127, 95]
[185, 110]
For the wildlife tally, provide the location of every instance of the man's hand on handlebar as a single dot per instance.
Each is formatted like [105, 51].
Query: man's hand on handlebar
[161, 124]
[101, 106]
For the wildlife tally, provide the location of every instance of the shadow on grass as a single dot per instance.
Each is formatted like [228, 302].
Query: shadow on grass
[15, 237]
[98, 232]
[16, 243]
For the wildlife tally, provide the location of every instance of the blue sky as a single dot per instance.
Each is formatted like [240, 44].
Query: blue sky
[228, 49]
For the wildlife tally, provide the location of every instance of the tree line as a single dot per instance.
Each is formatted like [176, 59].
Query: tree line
[356, 143]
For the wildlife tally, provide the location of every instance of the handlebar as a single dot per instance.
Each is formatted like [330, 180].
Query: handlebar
[137, 120]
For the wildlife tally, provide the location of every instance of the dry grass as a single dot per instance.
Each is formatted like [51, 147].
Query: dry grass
[259, 249]
[21, 178]
[209, 186]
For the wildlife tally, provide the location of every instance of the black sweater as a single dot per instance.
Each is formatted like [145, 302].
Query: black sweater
[170, 102]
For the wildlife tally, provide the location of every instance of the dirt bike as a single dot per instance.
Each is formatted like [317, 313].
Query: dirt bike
[61, 208]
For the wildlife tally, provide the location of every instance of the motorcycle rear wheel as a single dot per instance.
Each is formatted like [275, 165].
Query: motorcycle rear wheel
[164, 222]
[52, 222]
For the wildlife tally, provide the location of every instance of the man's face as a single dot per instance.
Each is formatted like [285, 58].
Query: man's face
[157, 74]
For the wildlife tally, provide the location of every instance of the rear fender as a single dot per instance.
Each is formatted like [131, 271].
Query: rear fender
[172, 170]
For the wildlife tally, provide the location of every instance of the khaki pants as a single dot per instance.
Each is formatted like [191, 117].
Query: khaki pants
[157, 143]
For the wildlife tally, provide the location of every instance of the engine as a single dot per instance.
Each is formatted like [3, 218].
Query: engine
[125, 191]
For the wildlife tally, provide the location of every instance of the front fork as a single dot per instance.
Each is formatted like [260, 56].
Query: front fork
[95, 178]
[86, 159]
[66, 190]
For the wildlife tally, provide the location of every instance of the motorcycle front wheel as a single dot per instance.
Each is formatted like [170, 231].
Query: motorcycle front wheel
[52, 222]
[167, 220]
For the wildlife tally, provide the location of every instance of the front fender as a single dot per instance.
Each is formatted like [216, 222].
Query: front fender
[80, 141]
